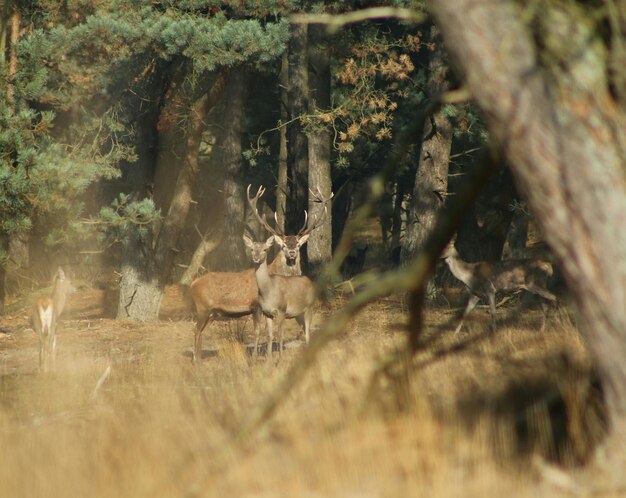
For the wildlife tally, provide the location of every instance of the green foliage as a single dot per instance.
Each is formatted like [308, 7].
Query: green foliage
[126, 216]
[122, 40]
[87, 61]
[373, 82]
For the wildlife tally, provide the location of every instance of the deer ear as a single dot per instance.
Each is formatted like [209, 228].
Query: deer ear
[248, 241]
[303, 239]
[279, 240]
[269, 242]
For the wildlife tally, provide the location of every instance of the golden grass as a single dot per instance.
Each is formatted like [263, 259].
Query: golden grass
[465, 422]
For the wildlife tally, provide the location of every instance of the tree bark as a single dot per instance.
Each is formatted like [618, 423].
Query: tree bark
[233, 252]
[283, 179]
[319, 246]
[297, 140]
[207, 245]
[431, 180]
[561, 134]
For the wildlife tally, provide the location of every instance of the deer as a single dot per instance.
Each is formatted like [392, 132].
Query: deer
[281, 296]
[289, 244]
[484, 279]
[235, 294]
[44, 317]
[289, 254]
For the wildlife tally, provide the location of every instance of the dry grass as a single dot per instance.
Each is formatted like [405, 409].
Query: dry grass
[465, 422]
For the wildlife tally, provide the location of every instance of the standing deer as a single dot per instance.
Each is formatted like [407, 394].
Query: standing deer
[281, 296]
[289, 244]
[44, 317]
[484, 279]
[235, 294]
[228, 294]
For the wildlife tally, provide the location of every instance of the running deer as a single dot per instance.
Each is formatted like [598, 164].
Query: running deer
[484, 279]
[44, 317]
[289, 244]
[235, 294]
[281, 296]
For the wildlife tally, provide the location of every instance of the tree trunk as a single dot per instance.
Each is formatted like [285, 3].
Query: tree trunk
[319, 246]
[518, 233]
[207, 245]
[140, 292]
[283, 186]
[232, 250]
[562, 134]
[297, 140]
[482, 233]
[431, 179]
[146, 268]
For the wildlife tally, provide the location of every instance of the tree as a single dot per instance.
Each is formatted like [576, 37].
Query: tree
[431, 180]
[186, 52]
[297, 146]
[558, 112]
[319, 246]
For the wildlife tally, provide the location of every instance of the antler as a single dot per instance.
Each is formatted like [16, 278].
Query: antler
[252, 202]
[318, 219]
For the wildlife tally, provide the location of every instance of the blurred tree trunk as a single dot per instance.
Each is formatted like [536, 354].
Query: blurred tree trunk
[431, 179]
[518, 232]
[232, 250]
[548, 100]
[319, 246]
[483, 231]
[296, 138]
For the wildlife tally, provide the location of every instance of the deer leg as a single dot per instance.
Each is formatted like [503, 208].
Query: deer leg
[547, 296]
[305, 320]
[197, 342]
[471, 304]
[280, 319]
[42, 353]
[53, 350]
[46, 352]
[270, 336]
[492, 310]
[256, 321]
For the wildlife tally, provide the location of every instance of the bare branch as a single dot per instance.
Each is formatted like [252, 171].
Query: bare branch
[335, 21]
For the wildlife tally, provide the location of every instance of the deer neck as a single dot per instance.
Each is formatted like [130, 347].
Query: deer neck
[460, 269]
[59, 294]
[263, 278]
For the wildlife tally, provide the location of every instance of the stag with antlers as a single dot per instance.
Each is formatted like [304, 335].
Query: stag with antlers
[284, 296]
[235, 294]
[289, 244]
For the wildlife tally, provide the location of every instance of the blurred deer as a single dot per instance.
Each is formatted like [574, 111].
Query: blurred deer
[281, 296]
[44, 318]
[484, 279]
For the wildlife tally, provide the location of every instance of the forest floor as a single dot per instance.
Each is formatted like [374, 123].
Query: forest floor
[125, 413]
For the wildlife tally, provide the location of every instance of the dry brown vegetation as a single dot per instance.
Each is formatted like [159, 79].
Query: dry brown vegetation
[469, 420]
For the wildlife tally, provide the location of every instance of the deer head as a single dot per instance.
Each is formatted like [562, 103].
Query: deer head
[289, 244]
[258, 250]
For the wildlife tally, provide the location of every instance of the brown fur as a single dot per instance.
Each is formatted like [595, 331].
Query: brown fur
[485, 278]
[44, 317]
[227, 294]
